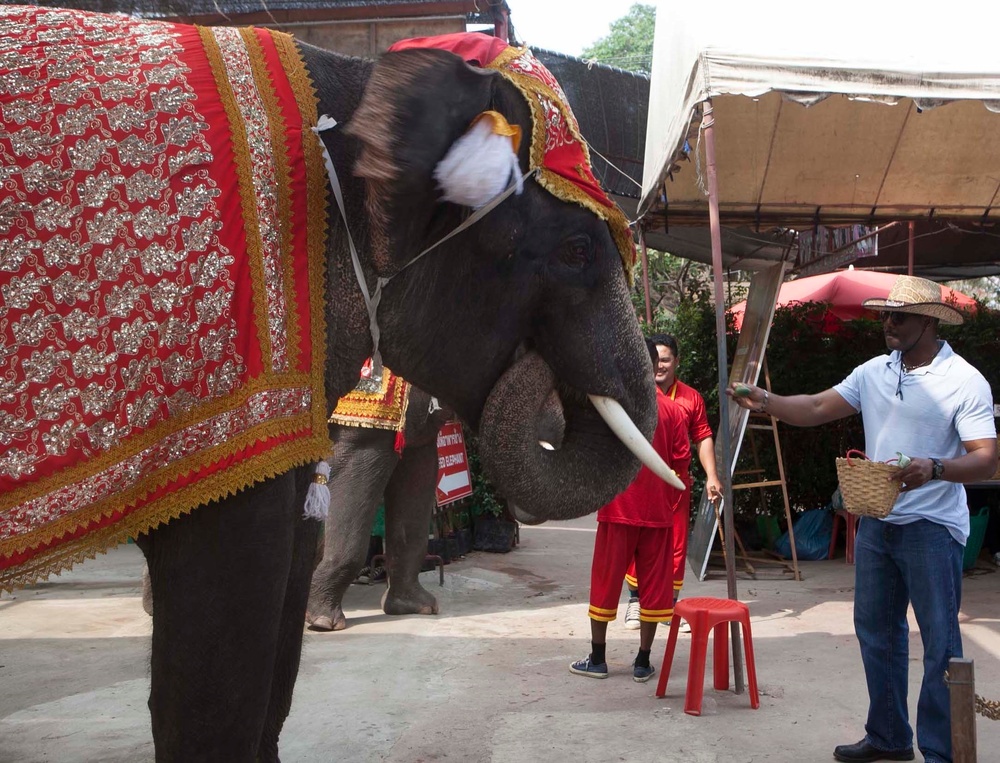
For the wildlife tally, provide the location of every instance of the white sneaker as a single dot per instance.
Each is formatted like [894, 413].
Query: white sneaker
[685, 627]
[632, 614]
[996, 558]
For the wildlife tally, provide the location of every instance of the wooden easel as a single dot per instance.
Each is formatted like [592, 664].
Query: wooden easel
[762, 422]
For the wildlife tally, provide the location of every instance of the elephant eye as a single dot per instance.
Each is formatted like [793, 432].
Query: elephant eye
[576, 251]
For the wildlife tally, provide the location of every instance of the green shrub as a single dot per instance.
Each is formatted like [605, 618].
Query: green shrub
[486, 501]
[804, 357]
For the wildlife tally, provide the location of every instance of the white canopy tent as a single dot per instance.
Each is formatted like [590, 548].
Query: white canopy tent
[802, 127]
[791, 115]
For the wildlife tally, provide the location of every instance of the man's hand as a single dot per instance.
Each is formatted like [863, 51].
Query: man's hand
[714, 489]
[918, 472]
[746, 395]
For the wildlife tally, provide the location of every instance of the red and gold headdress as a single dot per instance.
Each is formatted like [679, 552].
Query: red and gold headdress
[559, 155]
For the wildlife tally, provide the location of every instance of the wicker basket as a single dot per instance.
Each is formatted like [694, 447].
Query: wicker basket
[867, 491]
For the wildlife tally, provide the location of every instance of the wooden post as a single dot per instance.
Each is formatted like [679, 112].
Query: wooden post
[708, 125]
[962, 686]
[784, 482]
[909, 256]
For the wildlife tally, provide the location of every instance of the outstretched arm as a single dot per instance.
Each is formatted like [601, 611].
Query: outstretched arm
[798, 410]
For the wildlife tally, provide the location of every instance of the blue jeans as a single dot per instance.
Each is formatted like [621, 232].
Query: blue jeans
[896, 565]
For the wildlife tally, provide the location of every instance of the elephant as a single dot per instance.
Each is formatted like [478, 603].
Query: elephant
[530, 299]
[366, 468]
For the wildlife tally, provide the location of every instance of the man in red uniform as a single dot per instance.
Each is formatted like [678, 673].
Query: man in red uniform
[636, 527]
[696, 425]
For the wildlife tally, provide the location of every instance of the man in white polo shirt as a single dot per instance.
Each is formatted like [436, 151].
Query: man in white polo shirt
[925, 401]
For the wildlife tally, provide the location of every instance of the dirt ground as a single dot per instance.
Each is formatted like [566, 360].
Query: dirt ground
[486, 680]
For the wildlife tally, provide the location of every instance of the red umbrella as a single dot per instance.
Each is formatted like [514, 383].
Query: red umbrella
[844, 291]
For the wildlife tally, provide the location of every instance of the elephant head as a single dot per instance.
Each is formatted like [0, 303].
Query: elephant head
[531, 300]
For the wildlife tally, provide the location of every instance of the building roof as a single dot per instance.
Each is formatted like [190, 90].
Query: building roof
[272, 11]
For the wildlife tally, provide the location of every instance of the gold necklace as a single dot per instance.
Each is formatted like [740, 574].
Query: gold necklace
[907, 367]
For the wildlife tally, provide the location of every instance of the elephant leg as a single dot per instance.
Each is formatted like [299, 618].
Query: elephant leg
[219, 576]
[409, 503]
[363, 461]
[286, 668]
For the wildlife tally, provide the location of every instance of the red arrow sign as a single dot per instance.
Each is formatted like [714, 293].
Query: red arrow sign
[454, 480]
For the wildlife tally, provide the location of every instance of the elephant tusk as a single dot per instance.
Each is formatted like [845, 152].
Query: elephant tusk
[625, 430]
[546, 445]
[524, 517]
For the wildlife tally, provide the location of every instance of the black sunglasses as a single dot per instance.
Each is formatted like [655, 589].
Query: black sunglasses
[895, 317]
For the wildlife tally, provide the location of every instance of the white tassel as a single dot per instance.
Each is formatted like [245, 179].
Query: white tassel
[479, 164]
[318, 497]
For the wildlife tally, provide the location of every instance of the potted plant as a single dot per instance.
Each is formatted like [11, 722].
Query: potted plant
[493, 526]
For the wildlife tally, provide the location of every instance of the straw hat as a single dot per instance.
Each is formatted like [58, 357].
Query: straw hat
[910, 294]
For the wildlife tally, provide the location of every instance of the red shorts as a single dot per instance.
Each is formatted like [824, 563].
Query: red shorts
[680, 541]
[651, 550]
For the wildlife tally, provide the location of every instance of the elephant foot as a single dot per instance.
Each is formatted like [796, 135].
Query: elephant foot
[412, 601]
[326, 619]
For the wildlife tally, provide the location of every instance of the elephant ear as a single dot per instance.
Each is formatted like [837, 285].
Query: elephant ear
[416, 105]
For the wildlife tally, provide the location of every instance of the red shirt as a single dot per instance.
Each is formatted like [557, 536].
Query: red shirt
[693, 404]
[649, 501]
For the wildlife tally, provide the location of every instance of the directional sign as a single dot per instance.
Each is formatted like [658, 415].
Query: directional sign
[454, 480]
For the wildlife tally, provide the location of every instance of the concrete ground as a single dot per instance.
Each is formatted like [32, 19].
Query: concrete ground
[486, 680]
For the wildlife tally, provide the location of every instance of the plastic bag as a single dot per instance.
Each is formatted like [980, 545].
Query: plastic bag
[813, 531]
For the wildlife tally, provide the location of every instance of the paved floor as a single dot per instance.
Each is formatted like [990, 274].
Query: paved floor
[486, 680]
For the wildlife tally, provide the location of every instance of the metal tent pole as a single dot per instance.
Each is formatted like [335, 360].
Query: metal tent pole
[645, 275]
[708, 125]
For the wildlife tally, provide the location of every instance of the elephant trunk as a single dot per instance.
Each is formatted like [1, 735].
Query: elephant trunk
[590, 466]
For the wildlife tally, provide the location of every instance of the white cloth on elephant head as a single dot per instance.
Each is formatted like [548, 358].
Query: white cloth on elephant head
[479, 164]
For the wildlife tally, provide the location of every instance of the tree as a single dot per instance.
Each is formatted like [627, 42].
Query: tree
[629, 44]
[672, 280]
[985, 289]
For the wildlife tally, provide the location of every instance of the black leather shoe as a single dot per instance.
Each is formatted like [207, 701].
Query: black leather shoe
[863, 752]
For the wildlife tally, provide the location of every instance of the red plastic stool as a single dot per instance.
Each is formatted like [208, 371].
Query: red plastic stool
[850, 530]
[703, 614]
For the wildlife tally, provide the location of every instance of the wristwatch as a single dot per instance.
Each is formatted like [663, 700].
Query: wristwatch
[938, 469]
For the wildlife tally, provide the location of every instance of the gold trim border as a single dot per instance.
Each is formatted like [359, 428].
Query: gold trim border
[51, 531]
[215, 487]
[316, 218]
[282, 173]
[248, 194]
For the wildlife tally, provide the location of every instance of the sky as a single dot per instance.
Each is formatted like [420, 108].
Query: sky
[565, 26]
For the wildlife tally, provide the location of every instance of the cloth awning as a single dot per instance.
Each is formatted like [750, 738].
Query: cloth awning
[862, 112]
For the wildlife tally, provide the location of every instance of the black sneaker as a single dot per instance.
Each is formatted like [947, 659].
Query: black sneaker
[364, 577]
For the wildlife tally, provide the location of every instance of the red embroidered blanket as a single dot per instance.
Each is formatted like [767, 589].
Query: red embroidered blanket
[162, 214]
